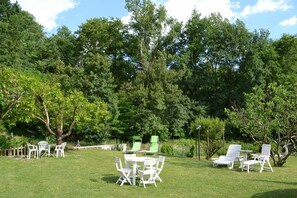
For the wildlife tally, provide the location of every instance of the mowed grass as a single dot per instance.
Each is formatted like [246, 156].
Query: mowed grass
[92, 173]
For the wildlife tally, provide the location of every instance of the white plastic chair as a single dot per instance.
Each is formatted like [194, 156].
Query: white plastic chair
[124, 172]
[159, 167]
[231, 155]
[259, 159]
[60, 149]
[43, 146]
[32, 149]
[127, 156]
[147, 175]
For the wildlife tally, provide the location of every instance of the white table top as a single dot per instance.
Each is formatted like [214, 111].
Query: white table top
[138, 159]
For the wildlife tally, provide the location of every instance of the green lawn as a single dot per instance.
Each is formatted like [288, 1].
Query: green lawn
[92, 173]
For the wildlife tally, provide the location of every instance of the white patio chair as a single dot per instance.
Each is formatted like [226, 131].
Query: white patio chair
[32, 149]
[60, 149]
[124, 172]
[43, 146]
[147, 175]
[259, 159]
[231, 155]
[159, 167]
[126, 156]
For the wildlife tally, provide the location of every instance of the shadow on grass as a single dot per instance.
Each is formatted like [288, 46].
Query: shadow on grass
[278, 182]
[190, 164]
[288, 193]
[109, 178]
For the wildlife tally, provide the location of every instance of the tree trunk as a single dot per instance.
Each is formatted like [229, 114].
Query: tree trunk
[281, 156]
[59, 139]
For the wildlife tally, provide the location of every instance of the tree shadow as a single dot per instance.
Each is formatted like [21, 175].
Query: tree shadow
[288, 193]
[194, 163]
[278, 182]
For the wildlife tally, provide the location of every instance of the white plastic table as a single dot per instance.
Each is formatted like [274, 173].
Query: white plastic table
[245, 156]
[136, 160]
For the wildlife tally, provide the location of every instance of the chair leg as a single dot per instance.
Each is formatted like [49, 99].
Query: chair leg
[262, 165]
[118, 180]
[158, 178]
[123, 181]
[270, 166]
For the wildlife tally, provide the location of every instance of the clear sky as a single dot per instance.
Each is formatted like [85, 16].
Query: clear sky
[277, 16]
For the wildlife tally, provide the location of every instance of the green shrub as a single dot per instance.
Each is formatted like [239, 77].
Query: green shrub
[4, 142]
[183, 148]
[167, 149]
[12, 142]
[191, 152]
[18, 141]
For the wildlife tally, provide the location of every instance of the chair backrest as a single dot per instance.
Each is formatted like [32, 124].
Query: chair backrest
[61, 146]
[126, 156]
[137, 139]
[154, 139]
[154, 147]
[31, 147]
[265, 151]
[149, 164]
[42, 145]
[233, 151]
[64, 145]
[160, 162]
[118, 163]
[136, 146]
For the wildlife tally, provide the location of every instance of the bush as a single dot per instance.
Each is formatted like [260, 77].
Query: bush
[4, 142]
[12, 142]
[18, 141]
[180, 147]
[167, 149]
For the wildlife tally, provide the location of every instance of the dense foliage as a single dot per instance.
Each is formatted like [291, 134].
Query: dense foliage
[153, 75]
[272, 110]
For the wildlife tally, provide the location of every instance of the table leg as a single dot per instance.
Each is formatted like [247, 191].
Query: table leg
[49, 150]
[243, 160]
[134, 173]
[245, 157]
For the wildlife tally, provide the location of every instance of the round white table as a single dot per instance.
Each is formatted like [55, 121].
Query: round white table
[136, 160]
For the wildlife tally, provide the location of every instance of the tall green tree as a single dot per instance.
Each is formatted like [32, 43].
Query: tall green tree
[59, 47]
[97, 84]
[106, 37]
[159, 105]
[11, 91]
[260, 64]
[20, 36]
[286, 49]
[214, 50]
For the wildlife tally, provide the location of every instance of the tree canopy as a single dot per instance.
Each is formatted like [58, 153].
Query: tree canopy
[151, 76]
